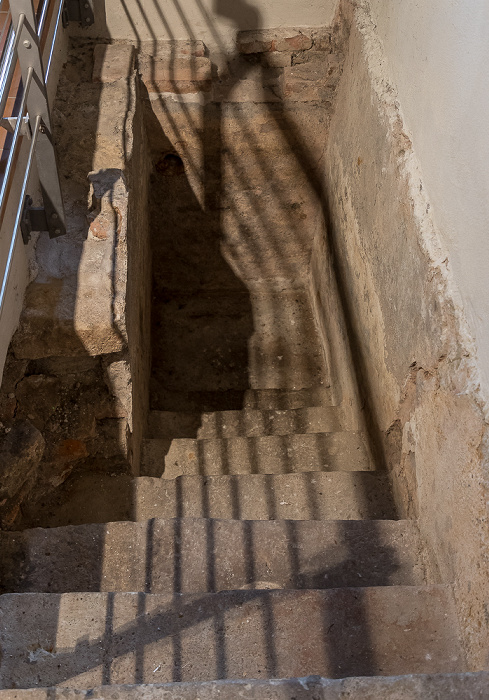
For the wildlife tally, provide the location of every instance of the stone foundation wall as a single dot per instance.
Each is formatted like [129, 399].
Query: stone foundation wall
[82, 341]
[415, 373]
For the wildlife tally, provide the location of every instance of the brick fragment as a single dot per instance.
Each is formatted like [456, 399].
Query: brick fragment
[255, 46]
[299, 42]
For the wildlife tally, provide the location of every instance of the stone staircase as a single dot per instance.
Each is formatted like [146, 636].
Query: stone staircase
[282, 560]
[260, 546]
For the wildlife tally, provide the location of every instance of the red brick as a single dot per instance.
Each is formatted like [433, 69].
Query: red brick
[299, 42]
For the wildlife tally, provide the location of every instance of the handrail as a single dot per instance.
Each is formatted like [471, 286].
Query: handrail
[33, 121]
[11, 68]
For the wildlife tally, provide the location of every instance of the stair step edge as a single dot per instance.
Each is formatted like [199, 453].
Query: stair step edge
[463, 686]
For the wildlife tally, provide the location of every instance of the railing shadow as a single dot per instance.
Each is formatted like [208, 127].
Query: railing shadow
[125, 651]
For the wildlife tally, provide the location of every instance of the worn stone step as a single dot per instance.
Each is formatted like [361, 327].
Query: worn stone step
[246, 423]
[192, 555]
[281, 399]
[167, 399]
[232, 339]
[88, 639]
[307, 496]
[437, 686]
[277, 454]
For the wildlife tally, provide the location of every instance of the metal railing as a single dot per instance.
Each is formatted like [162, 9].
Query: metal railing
[25, 46]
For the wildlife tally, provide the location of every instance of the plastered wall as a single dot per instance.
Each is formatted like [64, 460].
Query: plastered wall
[438, 55]
[382, 273]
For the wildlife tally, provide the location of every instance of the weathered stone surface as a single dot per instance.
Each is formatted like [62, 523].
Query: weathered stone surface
[266, 40]
[463, 686]
[176, 48]
[262, 455]
[299, 42]
[307, 496]
[244, 423]
[38, 396]
[119, 382]
[416, 381]
[197, 555]
[21, 450]
[112, 62]
[87, 496]
[168, 69]
[12, 374]
[87, 639]
[209, 342]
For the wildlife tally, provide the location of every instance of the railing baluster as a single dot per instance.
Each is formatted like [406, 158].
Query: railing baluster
[37, 105]
[24, 43]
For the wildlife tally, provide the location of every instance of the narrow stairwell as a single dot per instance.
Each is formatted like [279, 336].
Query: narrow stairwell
[279, 566]
[261, 540]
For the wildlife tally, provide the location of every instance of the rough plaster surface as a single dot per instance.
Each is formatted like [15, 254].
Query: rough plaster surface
[416, 372]
[437, 54]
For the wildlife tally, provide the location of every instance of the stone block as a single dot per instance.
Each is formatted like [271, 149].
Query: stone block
[162, 69]
[311, 495]
[112, 62]
[179, 87]
[119, 381]
[253, 42]
[38, 397]
[21, 451]
[276, 59]
[261, 455]
[326, 555]
[174, 49]
[266, 40]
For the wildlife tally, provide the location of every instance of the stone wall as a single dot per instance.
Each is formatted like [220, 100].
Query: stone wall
[82, 341]
[399, 319]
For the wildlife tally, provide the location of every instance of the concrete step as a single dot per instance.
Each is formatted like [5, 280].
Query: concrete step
[84, 640]
[307, 496]
[278, 454]
[246, 423]
[193, 555]
[437, 686]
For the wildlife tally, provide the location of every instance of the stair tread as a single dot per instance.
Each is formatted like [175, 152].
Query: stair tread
[237, 399]
[271, 454]
[247, 422]
[88, 639]
[230, 339]
[192, 555]
[436, 686]
[306, 496]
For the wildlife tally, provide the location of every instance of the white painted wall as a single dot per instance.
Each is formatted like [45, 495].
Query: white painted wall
[213, 21]
[438, 53]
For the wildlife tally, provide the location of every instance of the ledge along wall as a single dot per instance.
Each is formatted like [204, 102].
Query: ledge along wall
[396, 319]
[76, 379]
